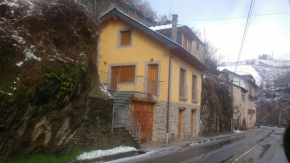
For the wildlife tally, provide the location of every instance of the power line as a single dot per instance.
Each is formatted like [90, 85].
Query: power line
[237, 17]
[246, 31]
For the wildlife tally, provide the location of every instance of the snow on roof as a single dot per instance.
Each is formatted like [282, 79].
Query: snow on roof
[161, 27]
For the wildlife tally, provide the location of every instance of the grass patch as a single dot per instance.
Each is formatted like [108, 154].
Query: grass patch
[71, 156]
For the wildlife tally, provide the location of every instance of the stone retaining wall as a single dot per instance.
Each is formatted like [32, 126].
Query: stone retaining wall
[95, 132]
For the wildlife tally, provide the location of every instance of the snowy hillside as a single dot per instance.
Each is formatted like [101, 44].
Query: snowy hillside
[262, 70]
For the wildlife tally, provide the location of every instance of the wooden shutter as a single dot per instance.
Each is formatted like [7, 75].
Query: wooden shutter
[126, 73]
[182, 82]
[184, 42]
[125, 39]
[189, 46]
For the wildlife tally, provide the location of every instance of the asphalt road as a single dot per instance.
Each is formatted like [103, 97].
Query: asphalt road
[263, 146]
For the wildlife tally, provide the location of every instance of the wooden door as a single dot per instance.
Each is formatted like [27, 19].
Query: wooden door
[114, 78]
[192, 123]
[179, 124]
[152, 79]
[144, 113]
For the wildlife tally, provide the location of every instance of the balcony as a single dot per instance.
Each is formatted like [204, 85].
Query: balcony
[182, 92]
[194, 96]
[137, 84]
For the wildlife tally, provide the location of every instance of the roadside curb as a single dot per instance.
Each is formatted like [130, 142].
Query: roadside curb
[108, 158]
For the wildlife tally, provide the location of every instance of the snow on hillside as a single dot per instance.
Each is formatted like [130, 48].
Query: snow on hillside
[262, 70]
[243, 69]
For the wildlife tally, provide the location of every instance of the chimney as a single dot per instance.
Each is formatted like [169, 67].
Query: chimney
[174, 27]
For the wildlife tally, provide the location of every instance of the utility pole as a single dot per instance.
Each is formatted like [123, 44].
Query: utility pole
[279, 107]
[232, 104]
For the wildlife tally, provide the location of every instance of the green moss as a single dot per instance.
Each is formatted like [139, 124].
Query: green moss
[71, 156]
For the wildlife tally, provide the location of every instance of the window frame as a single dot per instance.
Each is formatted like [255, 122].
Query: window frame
[119, 38]
[196, 85]
[184, 97]
[120, 65]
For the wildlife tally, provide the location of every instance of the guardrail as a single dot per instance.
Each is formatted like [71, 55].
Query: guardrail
[109, 80]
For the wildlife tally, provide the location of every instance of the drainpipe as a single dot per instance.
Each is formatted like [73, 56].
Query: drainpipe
[174, 38]
[168, 98]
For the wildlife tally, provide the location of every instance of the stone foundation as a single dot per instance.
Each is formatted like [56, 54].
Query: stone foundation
[159, 121]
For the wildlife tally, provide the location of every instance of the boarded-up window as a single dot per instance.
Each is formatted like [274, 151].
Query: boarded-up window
[125, 38]
[125, 73]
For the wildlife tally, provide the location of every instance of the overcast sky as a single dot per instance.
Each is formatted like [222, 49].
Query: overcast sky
[266, 34]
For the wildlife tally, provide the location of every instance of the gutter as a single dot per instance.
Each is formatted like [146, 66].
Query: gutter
[168, 98]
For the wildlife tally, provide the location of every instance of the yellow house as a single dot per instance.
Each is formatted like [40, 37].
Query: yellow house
[156, 80]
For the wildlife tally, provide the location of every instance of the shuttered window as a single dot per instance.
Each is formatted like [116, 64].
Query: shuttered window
[125, 73]
[184, 42]
[125, 38]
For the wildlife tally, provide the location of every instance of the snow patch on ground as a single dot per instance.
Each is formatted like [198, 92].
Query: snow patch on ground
[201, 142]
[10, 94]
[19, 64]
[19, 39]
[102, 153]
[29, 54]
[237, 131]
[11, 3]
[105, 90]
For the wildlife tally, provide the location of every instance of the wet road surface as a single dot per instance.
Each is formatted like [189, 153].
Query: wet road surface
[260, 146]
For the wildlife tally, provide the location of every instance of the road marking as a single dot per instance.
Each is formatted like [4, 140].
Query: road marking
[244, 154]
[250, 149]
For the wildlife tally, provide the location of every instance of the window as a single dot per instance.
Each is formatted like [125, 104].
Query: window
[243, 96]
[125, 38]
[125, 73]
[194, 89]
[197, 46]
[182, 85]
[189, 46]
[184, 42]
[235, 110]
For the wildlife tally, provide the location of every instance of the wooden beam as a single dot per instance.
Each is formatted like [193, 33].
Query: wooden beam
[144, 100]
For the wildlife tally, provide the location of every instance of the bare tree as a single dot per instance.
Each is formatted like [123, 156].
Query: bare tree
[211, 58]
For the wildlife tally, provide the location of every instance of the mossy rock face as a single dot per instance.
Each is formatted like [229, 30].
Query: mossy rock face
[48, 64]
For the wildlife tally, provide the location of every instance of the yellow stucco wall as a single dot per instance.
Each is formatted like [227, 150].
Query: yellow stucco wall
[143, 49]
[177, 63]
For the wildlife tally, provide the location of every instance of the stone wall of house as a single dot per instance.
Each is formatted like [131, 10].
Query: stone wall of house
[95, 132]
[159, 122]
